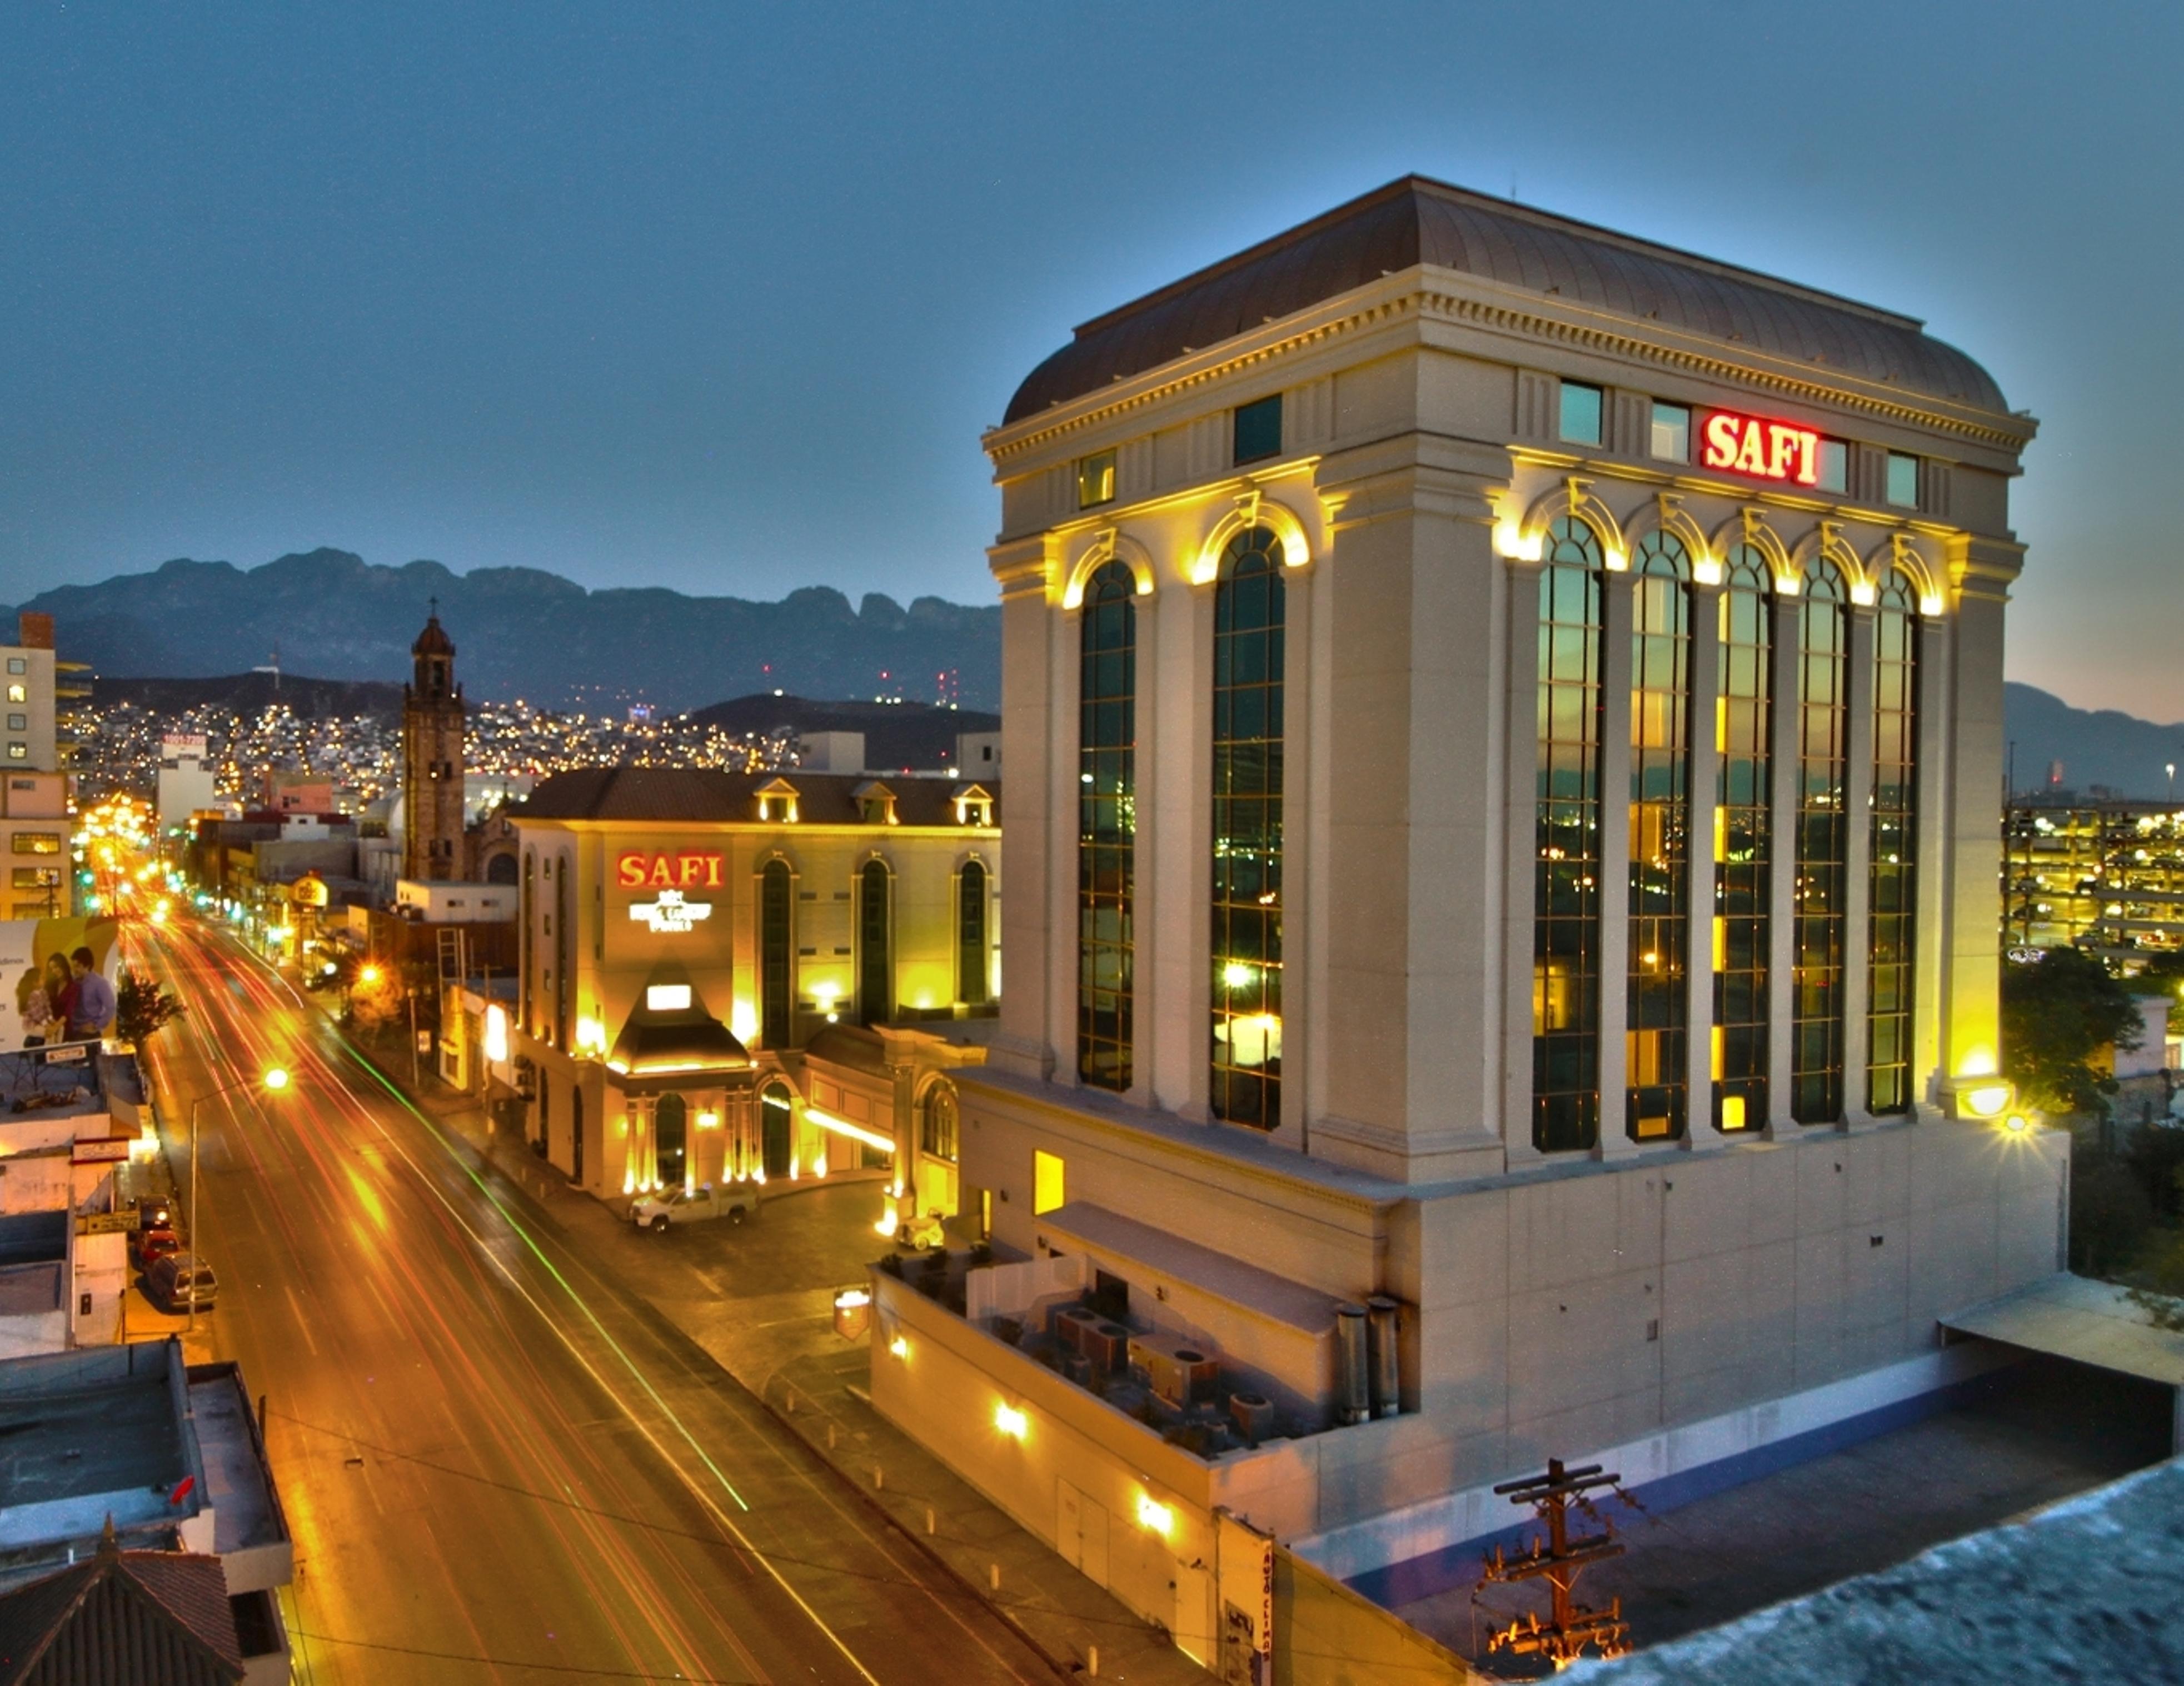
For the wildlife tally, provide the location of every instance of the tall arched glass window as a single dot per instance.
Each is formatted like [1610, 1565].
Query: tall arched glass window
[937, 1127]
[1249, 607]
[777, 956]
[776, 1133]
[874, 957]
[1106, 824]
[971, 944]
[562, 949]
[1743, 834]
[1895, 845]
[1660, 825]
[1823, 847]
[1566, 875]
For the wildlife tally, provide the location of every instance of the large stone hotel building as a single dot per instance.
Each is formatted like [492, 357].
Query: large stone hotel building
[1503, 722]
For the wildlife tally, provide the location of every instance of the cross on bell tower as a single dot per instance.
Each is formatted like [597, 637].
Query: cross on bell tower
[432, 757]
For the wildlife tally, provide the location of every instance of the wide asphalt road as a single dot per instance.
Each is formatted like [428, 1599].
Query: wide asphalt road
[496, 1467]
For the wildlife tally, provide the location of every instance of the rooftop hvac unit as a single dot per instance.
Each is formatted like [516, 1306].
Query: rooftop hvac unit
[1106, 1345]
[1070, 1323]
[1179, 1373]
[1253, 1414]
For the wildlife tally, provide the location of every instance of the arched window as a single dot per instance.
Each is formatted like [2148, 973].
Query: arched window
[1565, 875]
[1660, 823]
[1107, 825]
[1895, 845]
[875, 964]
[1823, 847]
[776, 956]
[1743, 847]
[500, 870]
[671, 1140]
[776, 1116]
[1250, 605]
[529, 940]
[971, 943]
[938, 1128]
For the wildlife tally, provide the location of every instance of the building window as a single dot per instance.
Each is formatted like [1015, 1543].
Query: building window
[776, 953]
[1672, 433]
[1566, 882]
[19, 693]
[1894, 846]
[1049, 1182]
[776, 1133]
[18, 665]
[1258, 430]
[1835, 466]
[1249, 611]
[971, 944]
[1743, 831]
[561, 946]
[1660, 822]
[937, 1125]
[1902, 481]
[18, 722]
[1580, 414]
[37, 878]
[1095, 480]
[1107, 825]
[18, 752]
[36, 842]
[530, 944]
[1823, 839]
[875, 965]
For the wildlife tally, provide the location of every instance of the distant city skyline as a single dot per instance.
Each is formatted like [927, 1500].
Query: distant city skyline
[720, 302]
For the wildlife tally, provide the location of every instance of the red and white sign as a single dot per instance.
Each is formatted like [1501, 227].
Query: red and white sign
[101, 1150]
[1765, 450]
[640, 870]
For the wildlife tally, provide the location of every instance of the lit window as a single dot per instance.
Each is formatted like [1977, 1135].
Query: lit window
[1095, 480]
[1048, 1182]
[1672, 433]
[666, 998]
[18, 752]
[37, 842]
[1258, 430]
[1835, 466]
[1902, 481]
[19, 693]
[1580, 419]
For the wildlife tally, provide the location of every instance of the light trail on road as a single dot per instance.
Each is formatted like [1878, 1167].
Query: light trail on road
[388, 1293]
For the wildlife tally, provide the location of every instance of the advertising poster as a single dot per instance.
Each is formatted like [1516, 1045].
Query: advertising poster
[35, 975]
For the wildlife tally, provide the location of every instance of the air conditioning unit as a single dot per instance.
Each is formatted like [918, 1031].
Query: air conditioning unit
[1069, 1324]
[1106, 1345]
[1179, 1373]
[1253, 1414]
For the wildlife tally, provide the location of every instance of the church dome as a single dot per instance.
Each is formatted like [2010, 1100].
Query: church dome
[433, 640]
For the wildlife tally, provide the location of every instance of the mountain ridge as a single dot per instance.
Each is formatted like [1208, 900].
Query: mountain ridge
[522, 632]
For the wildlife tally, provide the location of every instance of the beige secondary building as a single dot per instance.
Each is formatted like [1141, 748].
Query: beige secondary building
[1505, 720]
[754, 980]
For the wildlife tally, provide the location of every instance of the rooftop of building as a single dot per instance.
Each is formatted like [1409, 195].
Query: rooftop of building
[31, 1290]
[153, 1618]
[1417, 220]
[704, 795]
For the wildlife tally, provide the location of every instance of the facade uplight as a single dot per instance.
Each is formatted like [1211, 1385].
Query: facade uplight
[1012, 1421]
[1155, 1516]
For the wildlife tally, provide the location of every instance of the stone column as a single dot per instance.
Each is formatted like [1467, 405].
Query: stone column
[1024, 1041]
[1858, 872]
[1784, 771]
[1705, 777]
[1930, 963]
[1615, 659]
[1980, 570]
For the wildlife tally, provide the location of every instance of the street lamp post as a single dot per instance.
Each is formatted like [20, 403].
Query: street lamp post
[274, 1078]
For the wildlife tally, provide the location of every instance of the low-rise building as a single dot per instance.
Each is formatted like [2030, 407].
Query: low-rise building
[2104, 874]
[760, 978]
[126, 1448]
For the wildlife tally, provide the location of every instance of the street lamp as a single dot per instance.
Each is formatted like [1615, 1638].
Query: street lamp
[273, 1079]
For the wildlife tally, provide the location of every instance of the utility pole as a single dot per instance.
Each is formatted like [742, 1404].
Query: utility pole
[1558, 1559]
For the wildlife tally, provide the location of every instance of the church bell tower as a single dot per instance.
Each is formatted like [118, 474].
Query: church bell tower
[433, 759]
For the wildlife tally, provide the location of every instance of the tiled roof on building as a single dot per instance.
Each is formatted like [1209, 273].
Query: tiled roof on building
[122, 1618]
[1417, 220]
[705, 795]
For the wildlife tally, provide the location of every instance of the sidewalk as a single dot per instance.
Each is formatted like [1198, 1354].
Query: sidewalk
[768, 1322]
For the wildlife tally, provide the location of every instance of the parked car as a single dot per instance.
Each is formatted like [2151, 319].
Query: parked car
[171, 1281]
[146, 1246]
[656, 1211]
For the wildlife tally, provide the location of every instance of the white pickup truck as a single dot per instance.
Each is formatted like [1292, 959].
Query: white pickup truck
[655, 1211]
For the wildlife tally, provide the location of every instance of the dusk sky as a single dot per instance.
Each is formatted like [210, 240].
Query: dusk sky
[720, 299]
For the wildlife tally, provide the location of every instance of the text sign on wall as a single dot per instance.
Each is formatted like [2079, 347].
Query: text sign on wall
[640, 869]
[668, 911]
[1766, 450]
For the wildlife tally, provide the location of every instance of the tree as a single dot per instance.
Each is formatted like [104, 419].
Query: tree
[141, 1007]
[2109, 1217]
[2058, 1012]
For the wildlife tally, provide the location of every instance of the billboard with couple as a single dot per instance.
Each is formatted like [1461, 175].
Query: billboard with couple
[56, 980]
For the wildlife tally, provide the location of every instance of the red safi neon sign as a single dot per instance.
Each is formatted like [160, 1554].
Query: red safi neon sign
[1766, 450]
[637, 871]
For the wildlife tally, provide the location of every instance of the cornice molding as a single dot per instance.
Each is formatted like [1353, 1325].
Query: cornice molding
[1006, 445]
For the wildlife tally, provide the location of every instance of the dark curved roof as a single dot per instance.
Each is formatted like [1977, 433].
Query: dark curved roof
[1417, 220]
[709, 795]
[433, 640]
